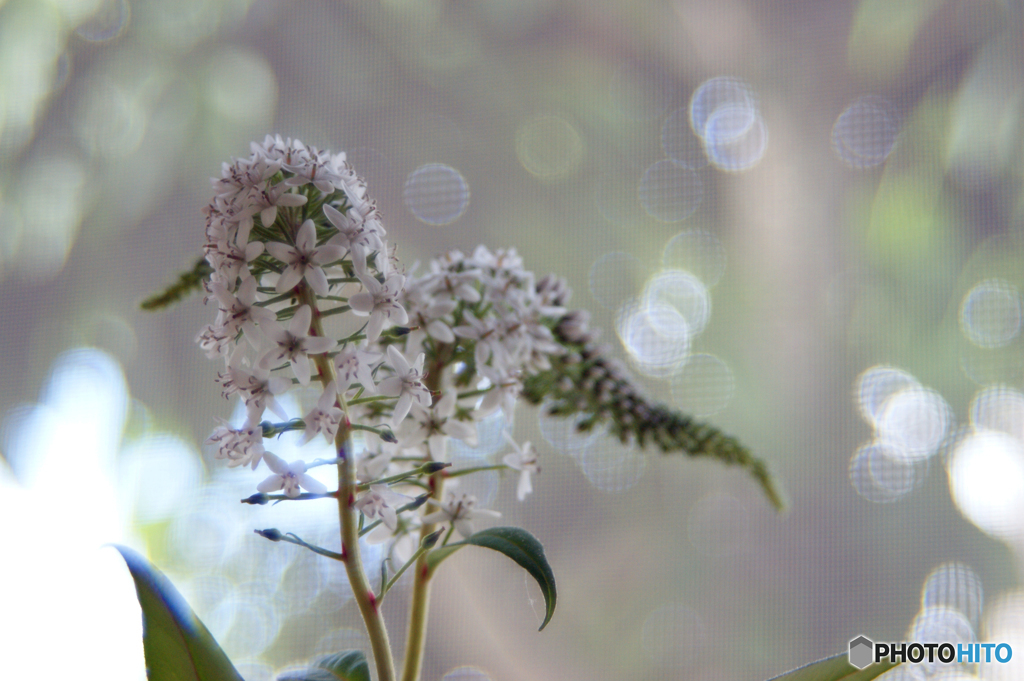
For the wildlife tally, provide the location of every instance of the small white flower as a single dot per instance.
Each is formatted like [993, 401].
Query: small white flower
[326, 417]
[240, 311]
[355, 364]
[459, 510]
[487, 334]
[435, 425]
[315, 167]
[265, 202]
[524, 460]
[240, 179]
[289, 477]
[379, 301]
[380, 502]
[213, 340]
[405, 384]
[240, 446]
[429, 312]
[354, 232]
[304, 260]
[257, 387]
[505, 389]
[371, 465]
[293, 344]
[230, 261]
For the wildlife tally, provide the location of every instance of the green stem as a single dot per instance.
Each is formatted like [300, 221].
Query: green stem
[372, 398]
[411, 506]
[416, 637]
[276, 299]
[448, 536]
[383, 432]
[477, 469]
[399, 477]
[348, 516]
[425, 545]
[294, 539]
[476, 393]
[335, 310]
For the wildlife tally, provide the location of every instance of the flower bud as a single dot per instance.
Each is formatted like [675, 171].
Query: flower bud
[273, 534]
[431, 539]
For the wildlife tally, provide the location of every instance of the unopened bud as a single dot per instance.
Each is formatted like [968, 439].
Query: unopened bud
[273, 534]
[434, 467]
[388, 436]
[431, 539]
[258, 499]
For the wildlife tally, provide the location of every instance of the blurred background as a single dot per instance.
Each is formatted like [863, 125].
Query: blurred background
[798, 220]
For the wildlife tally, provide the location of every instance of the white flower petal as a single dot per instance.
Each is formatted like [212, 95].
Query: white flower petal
[464, 527]
[300, 366]
[525, 487]
[311, 484]
[276, 463]
[461, 430]
[282, 252]
[439, 330]
[305, 240]
[390, 386]
[398, 361]
[361, 303]
[290, 278]
[335, 216]
[299, 325]
[374, 327]
[401, 408]
[390, 517]
[317, 280]
[268, 216]
[314, 345]
[253, 249]
[397, 314]
[271, 484]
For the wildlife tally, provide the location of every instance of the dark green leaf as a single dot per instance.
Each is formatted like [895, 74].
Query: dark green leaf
[311, 674]
[346, 666]
[517, 544]
[177, 645]
[837, 668]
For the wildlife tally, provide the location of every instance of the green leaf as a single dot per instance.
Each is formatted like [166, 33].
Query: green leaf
[836, 668]
[177, 645]
[311, 674]
[347, 666]
[517, 544]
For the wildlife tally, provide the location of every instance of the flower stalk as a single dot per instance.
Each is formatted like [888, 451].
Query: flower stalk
[291, 240]
[419, 604]
[376, 629]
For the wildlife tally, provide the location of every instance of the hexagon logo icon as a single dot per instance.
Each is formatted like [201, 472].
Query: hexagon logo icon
[861, 652]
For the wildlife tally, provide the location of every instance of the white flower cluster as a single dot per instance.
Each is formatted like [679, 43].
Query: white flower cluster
[489, 315]
[292, 238]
